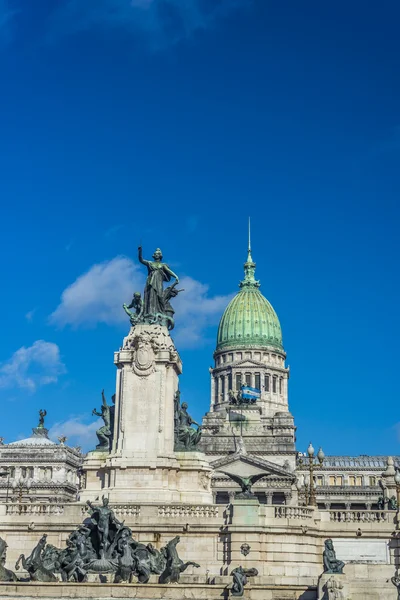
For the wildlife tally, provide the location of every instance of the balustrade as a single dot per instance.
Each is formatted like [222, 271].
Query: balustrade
[361, 516]
[35, 509]
[293, 512]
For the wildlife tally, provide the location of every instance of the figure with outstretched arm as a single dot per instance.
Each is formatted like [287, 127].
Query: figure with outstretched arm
[104, 433]
[157, 273]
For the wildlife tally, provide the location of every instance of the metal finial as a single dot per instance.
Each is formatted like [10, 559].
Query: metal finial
[249, 248]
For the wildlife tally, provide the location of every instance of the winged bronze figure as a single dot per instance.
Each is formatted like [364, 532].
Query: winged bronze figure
[245, 483]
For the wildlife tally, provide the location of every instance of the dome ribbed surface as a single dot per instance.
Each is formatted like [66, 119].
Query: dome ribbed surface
[249, 319]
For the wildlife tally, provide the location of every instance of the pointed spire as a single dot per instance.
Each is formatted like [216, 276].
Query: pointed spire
[249, 268]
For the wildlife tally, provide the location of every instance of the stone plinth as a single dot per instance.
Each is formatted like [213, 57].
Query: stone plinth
[184, 591]
[332, 586]
[194, 477]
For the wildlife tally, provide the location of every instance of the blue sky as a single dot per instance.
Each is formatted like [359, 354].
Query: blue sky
[168, 123]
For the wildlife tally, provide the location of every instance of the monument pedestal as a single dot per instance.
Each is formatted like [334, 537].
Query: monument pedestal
[142, 466]
[332, 586]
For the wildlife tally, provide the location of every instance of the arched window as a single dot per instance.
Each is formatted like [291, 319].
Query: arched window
[266, 383]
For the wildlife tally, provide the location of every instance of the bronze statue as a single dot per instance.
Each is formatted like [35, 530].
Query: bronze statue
[186, 438]
[42, 414]
[245, 483]
[101, 546]
[34, 563]
[331, 563]
[105, 432]
[103, 517]
[240, 576]
[138, 305]
[396, 582]
[174, 565]
[156, 307]
[392, 503]
[5, 574]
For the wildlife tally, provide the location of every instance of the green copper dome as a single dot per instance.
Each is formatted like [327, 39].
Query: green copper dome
[249, 319]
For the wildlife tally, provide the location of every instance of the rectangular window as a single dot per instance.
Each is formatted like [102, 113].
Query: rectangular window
[230, 381]
[257, 381]
[224, 358]
[248, 379]
[352, 480]
[280, 385]
[238, 381]
[339, 480]
[331, 480]
[358, 480]
[223, 387]
[231, 358]
[238, 356]
[320, 480]
[257, 355]
[216, 389]
[372, 481]
[274, 384]
[266, 383]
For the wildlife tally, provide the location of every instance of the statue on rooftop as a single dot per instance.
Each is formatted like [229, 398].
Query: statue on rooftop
[186, 437]
[245, 483]
[42, 414]
[331, 563]
[105, 432]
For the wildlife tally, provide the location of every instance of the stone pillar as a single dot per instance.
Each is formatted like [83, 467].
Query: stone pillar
[148, 366]
[212, 391]
[226, 399]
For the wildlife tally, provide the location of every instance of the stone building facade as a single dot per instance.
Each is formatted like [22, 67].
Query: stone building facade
[37, 470]
[250, 352]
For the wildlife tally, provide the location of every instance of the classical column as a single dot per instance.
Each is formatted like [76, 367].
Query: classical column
[212, 388]
[226, 388]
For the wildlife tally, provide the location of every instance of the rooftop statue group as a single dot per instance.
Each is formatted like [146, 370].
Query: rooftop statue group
[101, 545]
[155, 306]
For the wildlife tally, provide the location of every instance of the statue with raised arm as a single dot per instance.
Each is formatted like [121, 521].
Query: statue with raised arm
[105, 432]
[103, 516]
[138, 306]
[42, 414]
[186, 437]
[156, 300]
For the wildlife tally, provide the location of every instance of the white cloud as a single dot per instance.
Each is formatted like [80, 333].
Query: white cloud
[196, 310]
[32, 367]
[77, 431]
[97, 297]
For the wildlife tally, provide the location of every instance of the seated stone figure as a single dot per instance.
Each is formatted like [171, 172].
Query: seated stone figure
[331, 563]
